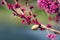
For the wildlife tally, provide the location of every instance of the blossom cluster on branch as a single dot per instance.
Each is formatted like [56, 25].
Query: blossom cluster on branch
[49, 6]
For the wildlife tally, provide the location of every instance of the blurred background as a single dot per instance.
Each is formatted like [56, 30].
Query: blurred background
[12, 29]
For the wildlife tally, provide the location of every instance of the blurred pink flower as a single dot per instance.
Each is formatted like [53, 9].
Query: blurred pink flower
[10, 6]
[2, 3]
[49, 25]
[31, 7]
[23, 21]
[48, 5]
[51, 36]
[22, 9]
[16, 6]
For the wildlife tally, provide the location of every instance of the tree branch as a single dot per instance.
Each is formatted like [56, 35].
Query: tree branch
[43, 26]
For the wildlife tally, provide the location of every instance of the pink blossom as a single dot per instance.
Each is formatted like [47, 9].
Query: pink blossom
[48, 25]
[48, 5]
[42, 29]
[22, 16]
[29, 17]
[57, 17]
[28, 20]
[33, 21]
[10, 6]
[36, 22]
[31, 7]
[34, 15]
[23, 21]
[2, 3]
[22, 9]
[51, 36]
[16, 6]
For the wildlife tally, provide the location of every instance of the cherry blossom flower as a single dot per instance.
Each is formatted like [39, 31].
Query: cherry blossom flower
[16, 6]
[51, 36]
[10, 6]
[22, 16]
[48, 5]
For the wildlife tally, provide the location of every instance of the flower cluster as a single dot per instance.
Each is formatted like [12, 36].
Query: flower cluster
[25, 19]
[50, 7]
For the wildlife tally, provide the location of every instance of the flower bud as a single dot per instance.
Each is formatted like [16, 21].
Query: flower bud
[2, 3]
[26, 2]
[16, 6]
[34, 27]
[17, 0]
[14, 14]
[34, 15]
[31, 7]
[48, 25]
[10, 6]
[23, 9]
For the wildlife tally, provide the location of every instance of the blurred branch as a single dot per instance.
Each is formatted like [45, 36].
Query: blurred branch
[36, 26]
